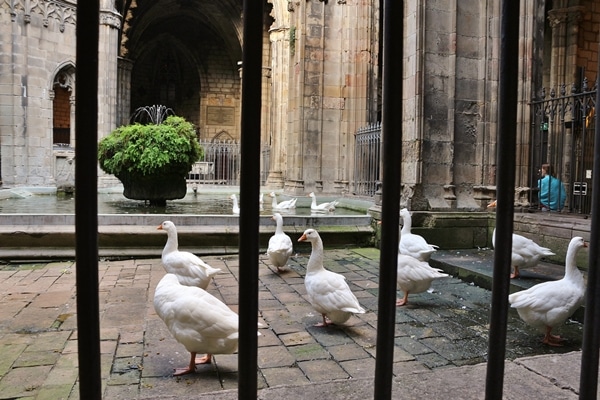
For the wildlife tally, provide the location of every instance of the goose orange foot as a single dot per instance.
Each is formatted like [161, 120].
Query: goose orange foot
[552, 340]
[402, 301]
[326, 322]
[191, 368]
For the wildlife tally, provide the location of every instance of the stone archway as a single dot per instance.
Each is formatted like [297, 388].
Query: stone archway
[184, 54]
[63, 87]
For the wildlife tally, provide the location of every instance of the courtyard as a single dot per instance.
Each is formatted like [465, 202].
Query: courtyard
[440, 329]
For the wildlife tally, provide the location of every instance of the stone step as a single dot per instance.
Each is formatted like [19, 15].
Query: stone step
[53, 236]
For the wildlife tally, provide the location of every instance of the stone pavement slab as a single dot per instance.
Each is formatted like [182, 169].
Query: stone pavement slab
[440, 335]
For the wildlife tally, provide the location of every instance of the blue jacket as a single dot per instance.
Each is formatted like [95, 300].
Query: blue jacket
[552, 193]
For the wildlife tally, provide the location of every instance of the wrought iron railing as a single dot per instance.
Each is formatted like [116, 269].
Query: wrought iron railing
[221, 164]
[563, 136]
[367, 153]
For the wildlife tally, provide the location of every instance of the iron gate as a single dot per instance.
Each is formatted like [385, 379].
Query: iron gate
[563, 136]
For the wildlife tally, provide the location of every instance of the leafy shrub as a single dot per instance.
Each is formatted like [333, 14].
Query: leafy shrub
[150, 151]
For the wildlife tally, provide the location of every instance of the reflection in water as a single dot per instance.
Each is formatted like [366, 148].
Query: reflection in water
[116, 203]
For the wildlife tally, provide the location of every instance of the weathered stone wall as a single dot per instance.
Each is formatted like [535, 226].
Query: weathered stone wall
[37, 39]
[450, 80]
[589, 36]
[332, 64]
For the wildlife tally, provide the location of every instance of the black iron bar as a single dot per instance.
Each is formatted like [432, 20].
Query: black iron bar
[391, 126]
[86, 201]
[588, 378]
[249, 192]
[505, 187]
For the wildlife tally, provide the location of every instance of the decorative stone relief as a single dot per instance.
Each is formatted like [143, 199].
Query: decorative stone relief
[111, 19]
[62, 11]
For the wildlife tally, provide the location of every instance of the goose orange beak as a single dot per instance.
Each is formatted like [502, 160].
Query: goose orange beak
[302, 238]
[159, 227]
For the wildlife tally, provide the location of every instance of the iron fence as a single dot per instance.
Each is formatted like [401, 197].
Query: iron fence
[221, 164]
[367, 153]
[563, 136]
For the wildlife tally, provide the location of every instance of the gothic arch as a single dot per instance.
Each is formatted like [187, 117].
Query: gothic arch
[222, 137]
[61, 94]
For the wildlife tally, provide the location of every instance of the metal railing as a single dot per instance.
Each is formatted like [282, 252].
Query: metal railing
[563, 136]
[221, 164]
[367, 153]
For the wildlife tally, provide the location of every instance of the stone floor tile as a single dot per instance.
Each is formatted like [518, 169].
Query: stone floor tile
[322, 370]
[284, 376]
[274, 356]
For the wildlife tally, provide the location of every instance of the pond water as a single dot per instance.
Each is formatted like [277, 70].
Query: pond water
[196, 204]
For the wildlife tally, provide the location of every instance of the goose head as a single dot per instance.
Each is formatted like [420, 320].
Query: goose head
[166, 226]
[309, 235]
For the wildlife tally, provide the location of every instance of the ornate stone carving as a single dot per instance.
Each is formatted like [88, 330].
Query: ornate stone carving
[111, 19]
[62, 11]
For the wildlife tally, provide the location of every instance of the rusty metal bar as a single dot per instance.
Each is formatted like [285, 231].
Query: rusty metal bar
[393, 46]
[86, 202]
[588, 378]
[249, 191]
[505, 188]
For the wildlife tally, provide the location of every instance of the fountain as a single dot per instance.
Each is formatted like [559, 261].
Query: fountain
[42, 219]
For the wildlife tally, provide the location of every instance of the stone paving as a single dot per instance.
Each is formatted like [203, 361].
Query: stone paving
[445, 327]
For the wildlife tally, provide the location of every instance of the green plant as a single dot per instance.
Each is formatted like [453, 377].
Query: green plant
[293, 40]
[150, 151]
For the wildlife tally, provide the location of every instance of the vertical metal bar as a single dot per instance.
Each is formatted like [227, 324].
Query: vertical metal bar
[249, 188]
[393, 46]
[588, 383]
[505, 188]
[86, 201]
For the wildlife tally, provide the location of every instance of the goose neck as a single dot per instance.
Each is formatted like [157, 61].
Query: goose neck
[315, 262]
[571, 269]
[406, 225]
[172, 243]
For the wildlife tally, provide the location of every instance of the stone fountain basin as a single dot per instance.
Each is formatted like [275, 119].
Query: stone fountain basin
[52, 236]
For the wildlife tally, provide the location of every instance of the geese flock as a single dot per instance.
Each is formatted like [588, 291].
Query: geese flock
[203, 324]
[287, 205]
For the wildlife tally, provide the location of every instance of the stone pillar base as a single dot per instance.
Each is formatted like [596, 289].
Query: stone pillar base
[483, 195]
[275, 180]
[294, 186]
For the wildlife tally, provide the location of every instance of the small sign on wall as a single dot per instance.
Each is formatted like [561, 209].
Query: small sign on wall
[218, 115]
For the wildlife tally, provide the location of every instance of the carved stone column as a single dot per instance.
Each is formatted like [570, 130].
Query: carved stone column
[279, 37]
[565, 28]
[110, 22]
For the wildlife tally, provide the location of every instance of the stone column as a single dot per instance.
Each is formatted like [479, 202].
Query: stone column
[279, 36]
[563, 70]
[110, 23]
[125, 66]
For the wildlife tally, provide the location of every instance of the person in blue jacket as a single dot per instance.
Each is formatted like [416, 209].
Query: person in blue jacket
[552, 193]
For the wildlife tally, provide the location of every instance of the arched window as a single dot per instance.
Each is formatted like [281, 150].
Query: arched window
[61, 107]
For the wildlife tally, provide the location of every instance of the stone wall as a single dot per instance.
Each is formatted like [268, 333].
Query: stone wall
[38, 38]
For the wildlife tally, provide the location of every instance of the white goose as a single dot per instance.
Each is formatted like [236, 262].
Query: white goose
[412, 244]
[525, 252]
[236, 207]
[549, 304]
[327, 291]
[189, 269]
[328, 206]
[284, 205]
[280, 245]
[415, 276]
[197, 320]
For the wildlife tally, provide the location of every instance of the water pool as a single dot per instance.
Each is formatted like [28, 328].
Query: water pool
[209, 203]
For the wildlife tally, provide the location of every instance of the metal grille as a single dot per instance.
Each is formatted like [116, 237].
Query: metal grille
[221, 164]
[367, 159]
[563, 136]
